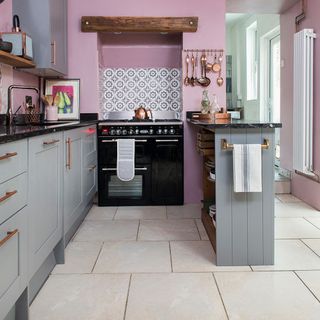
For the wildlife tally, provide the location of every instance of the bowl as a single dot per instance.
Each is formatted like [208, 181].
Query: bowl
[5, 46]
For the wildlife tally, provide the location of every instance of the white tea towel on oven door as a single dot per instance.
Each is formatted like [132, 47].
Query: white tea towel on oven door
[247, 168]
[125, 159]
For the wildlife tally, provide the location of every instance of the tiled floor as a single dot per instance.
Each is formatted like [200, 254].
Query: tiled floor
[156, 263]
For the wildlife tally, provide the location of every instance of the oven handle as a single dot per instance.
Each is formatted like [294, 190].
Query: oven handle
[169, 140]
[115, 140]
[115, 169]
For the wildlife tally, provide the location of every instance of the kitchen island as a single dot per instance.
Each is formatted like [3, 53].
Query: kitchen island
[243, 230]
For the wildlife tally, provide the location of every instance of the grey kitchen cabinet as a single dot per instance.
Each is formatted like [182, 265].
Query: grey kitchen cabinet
[89, 163]
[80, 180]
[13, 257]
[46, 22]
[45, 202]
[73, 180]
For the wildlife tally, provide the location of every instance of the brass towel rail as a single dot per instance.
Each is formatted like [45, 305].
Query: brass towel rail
[229, 146]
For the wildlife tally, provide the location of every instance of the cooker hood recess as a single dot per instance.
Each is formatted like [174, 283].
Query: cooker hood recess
[138, 24]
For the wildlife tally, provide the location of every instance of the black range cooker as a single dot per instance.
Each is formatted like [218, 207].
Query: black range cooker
[158, 163]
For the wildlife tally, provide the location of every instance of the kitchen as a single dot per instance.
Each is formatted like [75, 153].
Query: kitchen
[128, 256]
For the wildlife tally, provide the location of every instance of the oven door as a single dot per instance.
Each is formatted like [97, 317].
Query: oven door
[107, 151]
[114, 192]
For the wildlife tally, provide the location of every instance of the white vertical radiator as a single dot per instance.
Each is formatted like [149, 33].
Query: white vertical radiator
[303, 101]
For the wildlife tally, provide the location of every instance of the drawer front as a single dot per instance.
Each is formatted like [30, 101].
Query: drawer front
[13, 266]
[89, 140]
[13, 196]
[44, 142]
[13, 159]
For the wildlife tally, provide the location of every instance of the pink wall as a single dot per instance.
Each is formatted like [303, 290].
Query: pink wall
[303, 188]
[18, 77]
[83, 59]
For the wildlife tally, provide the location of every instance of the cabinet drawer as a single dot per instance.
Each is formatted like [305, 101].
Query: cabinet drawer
[13, 196]
[13, 266]
[89, 140]
[13, 159]
[45, 142]
[90, 180]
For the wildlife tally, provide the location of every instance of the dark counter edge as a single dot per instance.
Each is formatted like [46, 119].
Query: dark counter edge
[14, 133]
[236, 124]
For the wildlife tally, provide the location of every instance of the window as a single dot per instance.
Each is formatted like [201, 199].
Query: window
[252, 62]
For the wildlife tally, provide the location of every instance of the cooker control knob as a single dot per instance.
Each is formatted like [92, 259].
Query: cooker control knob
[112, 132]
[172, 131]
[151, 131]
[124, 132]
[118, 132]
[131, 132]
[165, 131]
[159, 131]
[137, 131]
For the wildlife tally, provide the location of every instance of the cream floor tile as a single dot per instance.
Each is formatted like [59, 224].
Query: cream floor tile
[107, 231]
[183, 229]
[80, 258]
[312, 280]
[81, 297]
[315, 221]
[188, 211]
[292, 255]
[295, 228]
[288, 198]
[126, 213]
[196, 256]
[267, 295]
[174, 297]
[202, 230]
[101, 213]
[295, 210]
[314, 244]
[134, 257]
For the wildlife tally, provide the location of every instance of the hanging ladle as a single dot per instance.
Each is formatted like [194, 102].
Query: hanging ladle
[187, 79]
[204, 81]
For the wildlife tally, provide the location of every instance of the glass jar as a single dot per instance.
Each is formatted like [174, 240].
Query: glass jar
[205, 102]
[215, 105]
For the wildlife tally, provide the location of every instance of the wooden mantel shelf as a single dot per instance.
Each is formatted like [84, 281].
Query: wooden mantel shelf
[138, 24]
[15, 61]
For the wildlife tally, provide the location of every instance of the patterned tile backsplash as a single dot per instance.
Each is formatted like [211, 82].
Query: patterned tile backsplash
[125, 89]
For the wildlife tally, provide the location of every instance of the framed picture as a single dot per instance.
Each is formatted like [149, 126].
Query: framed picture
[68, 91]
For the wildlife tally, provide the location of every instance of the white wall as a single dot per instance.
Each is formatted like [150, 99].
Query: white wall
[236, 42]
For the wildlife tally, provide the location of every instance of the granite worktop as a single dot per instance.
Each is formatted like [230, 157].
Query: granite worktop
[13, 133]
[234, 124]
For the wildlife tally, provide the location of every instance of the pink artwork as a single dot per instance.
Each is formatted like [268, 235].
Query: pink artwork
[66, 95]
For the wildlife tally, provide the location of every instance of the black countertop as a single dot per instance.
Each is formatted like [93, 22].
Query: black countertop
[13, 133]
[235, 124]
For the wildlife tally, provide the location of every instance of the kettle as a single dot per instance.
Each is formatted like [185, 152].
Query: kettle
[142, 113]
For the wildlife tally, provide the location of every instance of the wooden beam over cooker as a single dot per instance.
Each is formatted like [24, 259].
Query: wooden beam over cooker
[138, 24]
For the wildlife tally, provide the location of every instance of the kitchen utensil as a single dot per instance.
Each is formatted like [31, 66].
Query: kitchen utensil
[5, 46]
[220, 59]
[220, 80]
[216, 67]
[196, 62]
[142, 113]
[56, 100]
[49, 98]
[187, 79]
[204, 81]
[192, 79]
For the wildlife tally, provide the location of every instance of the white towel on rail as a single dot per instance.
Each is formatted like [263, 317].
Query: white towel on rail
[125, 159]
[247, 168]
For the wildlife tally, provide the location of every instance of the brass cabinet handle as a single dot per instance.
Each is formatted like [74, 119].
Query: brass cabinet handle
[9, 235]
[68, 164]
[46, 143]
[8, 195]
[8, 155]
[92, 168]
[53, 52]
[229, 146]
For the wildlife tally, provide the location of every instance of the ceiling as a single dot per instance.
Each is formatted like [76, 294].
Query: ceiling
[233, 18]
[259, 6]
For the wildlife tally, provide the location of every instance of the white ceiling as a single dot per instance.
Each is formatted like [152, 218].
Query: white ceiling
[259, 6]
[233, 18]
